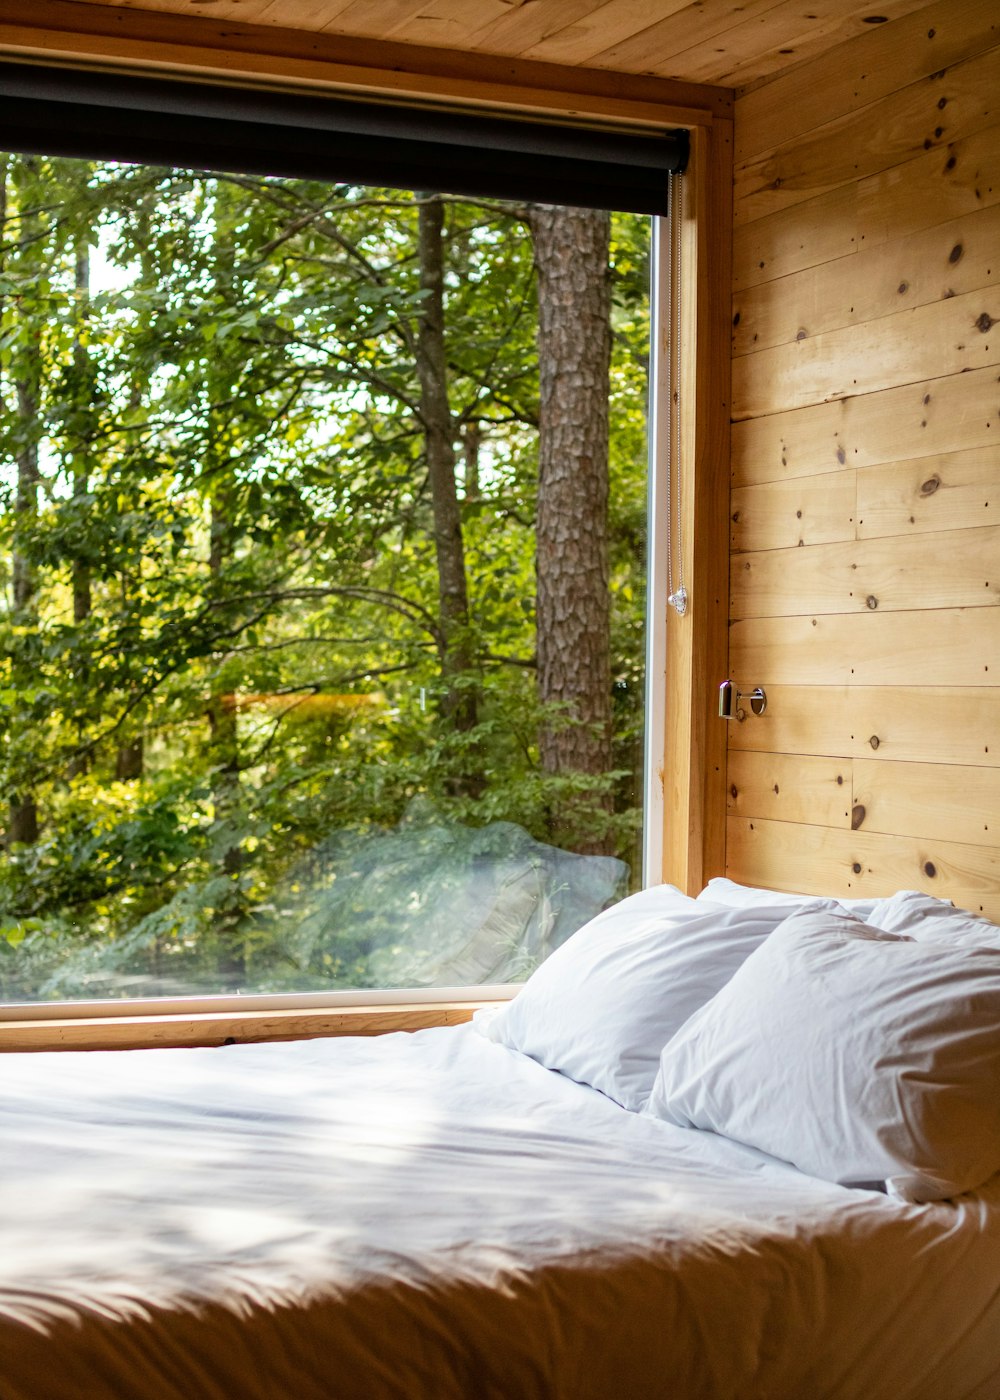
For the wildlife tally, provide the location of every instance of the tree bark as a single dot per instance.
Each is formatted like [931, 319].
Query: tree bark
[439, 435]
[84, 390]
[23, 824]
[22, 827]
[573, 605]
[81, 456]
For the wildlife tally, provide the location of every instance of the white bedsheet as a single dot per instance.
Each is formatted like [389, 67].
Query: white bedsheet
[435, 1216]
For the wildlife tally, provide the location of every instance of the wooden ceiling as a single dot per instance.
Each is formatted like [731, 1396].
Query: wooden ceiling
[718, 42]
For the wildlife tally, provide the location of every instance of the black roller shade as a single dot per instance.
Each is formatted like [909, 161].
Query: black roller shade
[64, 112]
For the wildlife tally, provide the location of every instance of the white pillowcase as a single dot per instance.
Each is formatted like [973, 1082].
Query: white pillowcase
[931, 920]
[857, 1055]
[602, 1006]
[724, 891]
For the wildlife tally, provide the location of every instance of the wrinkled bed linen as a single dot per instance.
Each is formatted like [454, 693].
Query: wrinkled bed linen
[434, 1216]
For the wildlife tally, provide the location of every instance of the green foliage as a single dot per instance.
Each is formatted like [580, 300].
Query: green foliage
[227, 654]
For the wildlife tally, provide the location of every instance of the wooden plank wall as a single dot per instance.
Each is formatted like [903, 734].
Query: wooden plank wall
[865, 509]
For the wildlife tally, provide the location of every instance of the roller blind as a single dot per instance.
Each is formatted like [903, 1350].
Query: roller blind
[51, 111]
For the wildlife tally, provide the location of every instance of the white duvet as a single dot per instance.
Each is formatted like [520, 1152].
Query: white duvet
[434, 1216]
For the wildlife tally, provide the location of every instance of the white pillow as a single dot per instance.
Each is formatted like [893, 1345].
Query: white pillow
[724, 891]
[855, 1054]
[931, 920]
[602, 1006]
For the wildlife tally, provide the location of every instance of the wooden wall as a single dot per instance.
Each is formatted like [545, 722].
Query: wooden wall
[865, 508]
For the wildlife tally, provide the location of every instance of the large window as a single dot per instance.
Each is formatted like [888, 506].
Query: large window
[323, 580]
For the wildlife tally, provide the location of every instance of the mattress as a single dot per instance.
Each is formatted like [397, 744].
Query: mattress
[433, 1215]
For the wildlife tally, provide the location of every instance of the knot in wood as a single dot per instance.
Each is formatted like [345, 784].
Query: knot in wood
[871, 601]
[874, 741]
[928, 487]
[858, 815]
[985, 322]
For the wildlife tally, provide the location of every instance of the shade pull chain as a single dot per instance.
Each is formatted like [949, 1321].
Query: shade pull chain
[677, 598]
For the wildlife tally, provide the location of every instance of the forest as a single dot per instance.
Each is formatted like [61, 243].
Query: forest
[322, 580]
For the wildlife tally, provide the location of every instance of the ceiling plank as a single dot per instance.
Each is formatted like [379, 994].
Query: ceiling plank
[68, 31]
[608, 36]
[789, 37]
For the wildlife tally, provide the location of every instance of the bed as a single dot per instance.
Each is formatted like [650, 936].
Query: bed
[442, 1215]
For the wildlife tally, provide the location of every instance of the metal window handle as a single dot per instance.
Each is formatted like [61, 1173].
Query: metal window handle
[730, 697]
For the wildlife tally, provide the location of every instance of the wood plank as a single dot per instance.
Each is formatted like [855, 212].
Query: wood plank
[825, 861]
[694, 771]
[949, 491]
[900, 723]
[226, 1028]
[762, 38]
[957, 569]
[939, 802]
[933, 112]
[787, 43]
[959, 412]
[799, 511]
[224, 10]
[301, 14]
[928, 266]
[73, 32]
[944, 492]
[929, 189]
[528, 25]
[885, 58]
[789, 788]
[375, 19]
[940, 647]
[950, 337]
[603, 35]
[451, 23]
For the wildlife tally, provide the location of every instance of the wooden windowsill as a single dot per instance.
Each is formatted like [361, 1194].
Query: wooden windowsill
[228, 1027]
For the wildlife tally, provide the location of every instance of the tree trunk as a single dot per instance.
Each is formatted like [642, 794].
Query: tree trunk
[84, 391]
[23, 812]
[129, 761]
[472, 441]
[439, 436]
[23, 826]
[222, 712]
[573, 606]
[81, 456]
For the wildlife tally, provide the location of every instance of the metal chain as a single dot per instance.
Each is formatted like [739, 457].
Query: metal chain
[668, 325]
[679, 599]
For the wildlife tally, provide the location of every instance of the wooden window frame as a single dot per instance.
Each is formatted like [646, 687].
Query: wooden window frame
[685, 799]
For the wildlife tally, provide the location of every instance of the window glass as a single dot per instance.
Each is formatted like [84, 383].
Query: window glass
[322, 581]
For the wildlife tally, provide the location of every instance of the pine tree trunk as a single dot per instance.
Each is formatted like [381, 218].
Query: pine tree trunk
[573, 606]
[439, 436]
